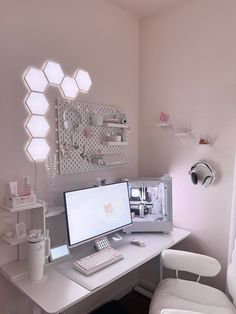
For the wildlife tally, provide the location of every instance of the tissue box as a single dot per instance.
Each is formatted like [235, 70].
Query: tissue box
[19, 201]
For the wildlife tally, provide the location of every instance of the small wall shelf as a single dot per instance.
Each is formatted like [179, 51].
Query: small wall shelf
[114, 143]
[163, 124]
[113, 163]
[185, 131]
[23, 208]
[37, 221]
[179, 134]
[14, 240]
[115, 125]
[54, 211]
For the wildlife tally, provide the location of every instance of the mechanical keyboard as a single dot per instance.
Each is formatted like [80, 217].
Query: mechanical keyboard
[92, 263]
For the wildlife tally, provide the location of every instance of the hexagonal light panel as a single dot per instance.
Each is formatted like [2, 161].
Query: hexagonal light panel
[69, 87]
[53, 72]
[37, 126]
[36, 80]
[38, 149]
[83, 80]
[37, 103]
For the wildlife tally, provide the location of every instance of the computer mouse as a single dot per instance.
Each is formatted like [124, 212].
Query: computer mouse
[138, 242]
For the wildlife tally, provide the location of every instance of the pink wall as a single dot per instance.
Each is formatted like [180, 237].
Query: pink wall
[187, 68]
[94, 35]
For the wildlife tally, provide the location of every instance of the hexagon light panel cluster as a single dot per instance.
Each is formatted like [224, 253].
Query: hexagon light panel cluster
[37, 81]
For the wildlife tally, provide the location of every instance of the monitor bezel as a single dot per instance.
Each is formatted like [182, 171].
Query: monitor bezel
[101, 234]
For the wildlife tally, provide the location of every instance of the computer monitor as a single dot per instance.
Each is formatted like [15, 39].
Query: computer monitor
[96, 211]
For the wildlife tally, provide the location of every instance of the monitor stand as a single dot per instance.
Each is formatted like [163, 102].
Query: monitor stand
[117, 237]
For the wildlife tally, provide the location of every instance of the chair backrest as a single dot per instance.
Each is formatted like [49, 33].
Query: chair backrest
[231, 276]
[198, 264]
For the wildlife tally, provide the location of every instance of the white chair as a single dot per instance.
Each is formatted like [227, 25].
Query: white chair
[178, 296]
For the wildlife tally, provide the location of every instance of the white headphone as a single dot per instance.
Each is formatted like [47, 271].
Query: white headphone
[208, 179]
[69, 125]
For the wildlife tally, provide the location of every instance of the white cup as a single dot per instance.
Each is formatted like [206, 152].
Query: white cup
[37, 253]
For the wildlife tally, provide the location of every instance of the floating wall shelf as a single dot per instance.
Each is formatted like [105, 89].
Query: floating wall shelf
[182, 131]
[14, 240]
[163, 124]
[54, 211]
[116, 125]
[23, 208]
[114, 143]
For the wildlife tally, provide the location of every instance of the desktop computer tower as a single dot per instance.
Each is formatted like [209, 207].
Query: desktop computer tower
[151, 205]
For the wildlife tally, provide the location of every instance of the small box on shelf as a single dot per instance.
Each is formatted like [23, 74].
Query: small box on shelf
[20, 200]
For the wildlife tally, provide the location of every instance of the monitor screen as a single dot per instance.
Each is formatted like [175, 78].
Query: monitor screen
[95, 211]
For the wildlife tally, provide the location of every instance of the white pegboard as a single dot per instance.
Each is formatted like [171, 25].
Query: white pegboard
[71, 143]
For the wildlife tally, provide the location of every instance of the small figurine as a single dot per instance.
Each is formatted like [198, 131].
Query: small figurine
[203, 141]
[164, 117]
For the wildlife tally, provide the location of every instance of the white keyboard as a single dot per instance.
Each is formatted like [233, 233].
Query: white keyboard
[92, 263]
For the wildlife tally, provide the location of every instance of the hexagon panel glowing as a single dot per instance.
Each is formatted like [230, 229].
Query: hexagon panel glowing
[38, 149]
[37, 126]
[83, 80]
[69, 87]
[36, 80]
[37, 103]
[53, 72]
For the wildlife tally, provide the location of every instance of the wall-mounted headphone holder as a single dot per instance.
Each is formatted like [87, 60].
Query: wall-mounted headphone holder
[202, 172]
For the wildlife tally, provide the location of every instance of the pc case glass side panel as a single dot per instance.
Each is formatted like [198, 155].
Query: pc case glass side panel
[156, 195]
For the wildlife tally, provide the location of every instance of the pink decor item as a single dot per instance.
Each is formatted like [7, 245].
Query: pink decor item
[164, 117]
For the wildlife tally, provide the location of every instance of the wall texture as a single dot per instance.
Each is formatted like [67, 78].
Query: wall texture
[187, 68]
[94, 35]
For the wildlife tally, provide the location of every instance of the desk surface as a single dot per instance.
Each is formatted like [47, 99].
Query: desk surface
[63, 286]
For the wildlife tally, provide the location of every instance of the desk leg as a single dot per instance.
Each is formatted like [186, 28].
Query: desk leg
[36, 310]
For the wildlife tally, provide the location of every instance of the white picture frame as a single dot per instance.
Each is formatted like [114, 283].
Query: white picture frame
[20, 230]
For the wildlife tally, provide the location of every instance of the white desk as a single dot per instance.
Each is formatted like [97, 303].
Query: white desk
[64, 286]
